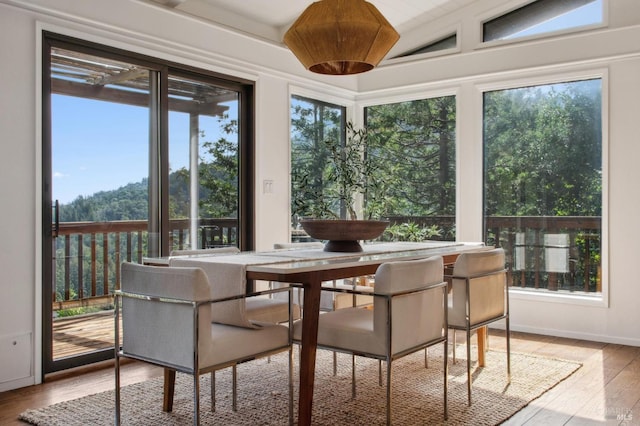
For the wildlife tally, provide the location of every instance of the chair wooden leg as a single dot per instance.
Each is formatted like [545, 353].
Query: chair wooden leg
[169, 389]
[481, 335]
[426, 357]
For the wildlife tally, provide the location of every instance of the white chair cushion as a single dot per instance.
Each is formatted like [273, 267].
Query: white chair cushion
[267, 310]
[230, 343]
[349, 328]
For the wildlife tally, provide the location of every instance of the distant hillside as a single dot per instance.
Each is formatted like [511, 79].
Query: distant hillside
[129, 202]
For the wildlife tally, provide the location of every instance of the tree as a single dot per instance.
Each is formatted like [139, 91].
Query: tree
[543, 150]
[413, 144]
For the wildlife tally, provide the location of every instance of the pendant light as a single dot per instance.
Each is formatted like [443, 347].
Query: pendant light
[340, 37]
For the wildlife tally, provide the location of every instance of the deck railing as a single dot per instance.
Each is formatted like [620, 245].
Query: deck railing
[554, 253]
[557, 253]
[88, 254]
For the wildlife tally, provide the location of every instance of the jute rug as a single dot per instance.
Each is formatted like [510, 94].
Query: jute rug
[262, 394]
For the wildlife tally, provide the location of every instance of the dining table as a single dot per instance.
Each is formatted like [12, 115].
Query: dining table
[308, 269]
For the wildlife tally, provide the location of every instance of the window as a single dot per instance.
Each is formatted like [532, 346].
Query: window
[543, 16]
[140, 157]
[312, 123]
[448, 42]
[413, 144]
[543, 183]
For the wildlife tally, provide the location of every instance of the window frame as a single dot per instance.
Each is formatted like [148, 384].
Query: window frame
[517, 4]
[596, 299]
[159, 192]
[403, 57]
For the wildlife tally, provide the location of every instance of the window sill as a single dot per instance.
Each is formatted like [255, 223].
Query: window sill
[567, 298]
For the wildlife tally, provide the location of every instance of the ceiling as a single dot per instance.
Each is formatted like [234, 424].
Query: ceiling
[270, 19]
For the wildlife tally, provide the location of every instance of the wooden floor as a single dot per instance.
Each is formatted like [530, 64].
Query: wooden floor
[606, 390]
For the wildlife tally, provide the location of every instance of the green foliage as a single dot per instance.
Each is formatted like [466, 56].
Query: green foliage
[543, 150]
[312, 123]
[411, 231]
[72, 312]
[412, 144]
[349, 173]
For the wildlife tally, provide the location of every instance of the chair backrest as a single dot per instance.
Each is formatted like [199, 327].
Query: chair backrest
[205, 252]
[485, 274]
[163, 331]
[416, 317]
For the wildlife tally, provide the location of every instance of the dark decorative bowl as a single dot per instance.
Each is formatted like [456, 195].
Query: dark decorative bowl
[343, 235]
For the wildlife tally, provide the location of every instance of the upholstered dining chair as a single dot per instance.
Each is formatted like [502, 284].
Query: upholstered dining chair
[409, 314]
[166, 317]
[266, 308]
[479, 296]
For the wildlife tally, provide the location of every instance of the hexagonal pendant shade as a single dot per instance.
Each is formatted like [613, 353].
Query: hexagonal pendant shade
[340, 37]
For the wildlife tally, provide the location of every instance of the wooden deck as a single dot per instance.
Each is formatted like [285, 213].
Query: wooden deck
[82, 334]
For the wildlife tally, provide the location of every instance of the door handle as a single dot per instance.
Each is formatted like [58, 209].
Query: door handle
[56, 215]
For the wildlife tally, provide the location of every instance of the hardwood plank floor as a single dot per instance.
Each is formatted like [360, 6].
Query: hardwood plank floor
[606, 390]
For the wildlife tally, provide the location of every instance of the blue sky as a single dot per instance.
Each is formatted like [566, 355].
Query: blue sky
[585, 15]
[100, 146]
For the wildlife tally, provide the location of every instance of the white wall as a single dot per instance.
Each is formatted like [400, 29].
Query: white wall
[150, 30]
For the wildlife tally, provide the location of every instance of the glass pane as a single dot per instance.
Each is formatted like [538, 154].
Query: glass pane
[312, 123]
[100, 143]
[543, 16]
[449, 42]
[543, 183]
[413, 144]
[203, 162]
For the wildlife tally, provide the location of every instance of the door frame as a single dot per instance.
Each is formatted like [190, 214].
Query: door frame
[160, 217]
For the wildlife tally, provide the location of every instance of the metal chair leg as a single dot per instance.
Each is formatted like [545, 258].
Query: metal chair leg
[234, 379]
[388, 391]
[353, 376]
[469, 367]
[196, 399]
[213, 391]
[446, 379]
[454, 346]
[508, 351]
[117, 368]
[291, 386]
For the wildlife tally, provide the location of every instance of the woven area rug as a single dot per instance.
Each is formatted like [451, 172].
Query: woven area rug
[262, 394]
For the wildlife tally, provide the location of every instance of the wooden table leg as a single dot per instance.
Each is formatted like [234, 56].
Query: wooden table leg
[169, 388]
[482, 345]
[311, 313]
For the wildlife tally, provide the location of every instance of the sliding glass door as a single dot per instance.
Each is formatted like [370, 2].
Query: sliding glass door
[140, 158]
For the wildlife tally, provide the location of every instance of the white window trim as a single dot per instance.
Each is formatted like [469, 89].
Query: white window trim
[578, 298]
